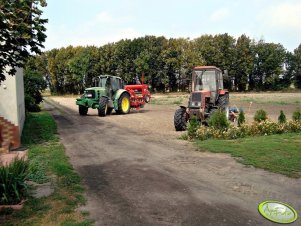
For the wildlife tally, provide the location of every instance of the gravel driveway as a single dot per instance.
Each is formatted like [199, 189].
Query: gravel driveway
[136, 172]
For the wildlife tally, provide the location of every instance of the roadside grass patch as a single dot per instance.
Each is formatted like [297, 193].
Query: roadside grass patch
[268, 98]
[277, 153]
[48, 163]
[169, 100]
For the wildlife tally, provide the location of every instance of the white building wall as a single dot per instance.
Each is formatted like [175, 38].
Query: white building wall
[12, 106]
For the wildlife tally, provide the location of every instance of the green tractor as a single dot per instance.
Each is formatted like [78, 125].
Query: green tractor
[107, 94]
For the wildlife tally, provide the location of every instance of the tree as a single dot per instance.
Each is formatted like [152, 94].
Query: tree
[268, 65]
[243, 62]
[22, 33]
[218, 50]
[297, 67]
[289, 65]
[34, 84]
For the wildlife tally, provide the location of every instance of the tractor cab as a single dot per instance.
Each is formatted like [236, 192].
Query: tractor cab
[110, 84]
[207, 80]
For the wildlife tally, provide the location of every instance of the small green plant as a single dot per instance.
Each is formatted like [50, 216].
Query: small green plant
[241, 118]
[219, 120]
[260, 116]
[12, 182]
[282, 118]
[297, 115]
[184, 136]
[192, 127]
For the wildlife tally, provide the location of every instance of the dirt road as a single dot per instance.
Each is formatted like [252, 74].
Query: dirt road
[137, 172]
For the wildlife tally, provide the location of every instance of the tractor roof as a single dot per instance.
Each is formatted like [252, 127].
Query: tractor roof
[109, 76]
[207, 68]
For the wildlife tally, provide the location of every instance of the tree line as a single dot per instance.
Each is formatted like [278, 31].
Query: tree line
[167, 63]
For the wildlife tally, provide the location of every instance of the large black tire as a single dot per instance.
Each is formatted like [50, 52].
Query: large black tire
[223, 101]
[124, 104]
[180, 119]
[82, 110]
[109, 111]
[103, 107]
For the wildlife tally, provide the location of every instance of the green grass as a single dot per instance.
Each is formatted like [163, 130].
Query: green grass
[277, 99]
[169, 100]
[276, 153]
[48, 163]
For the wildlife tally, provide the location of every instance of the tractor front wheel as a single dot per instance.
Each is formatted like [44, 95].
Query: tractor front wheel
[109, 111]
[103, 107]
[124, 104]
[82, 110]
[180, 119]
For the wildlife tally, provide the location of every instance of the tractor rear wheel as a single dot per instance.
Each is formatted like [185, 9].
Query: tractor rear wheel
[103, 107]
[223, 101]
[82, 110]
[180, 119]
[124, 104]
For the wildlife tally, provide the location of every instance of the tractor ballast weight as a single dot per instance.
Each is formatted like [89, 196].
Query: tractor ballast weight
[208, 95]
[110, 93]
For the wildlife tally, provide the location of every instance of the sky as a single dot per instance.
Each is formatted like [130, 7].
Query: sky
[98, 22]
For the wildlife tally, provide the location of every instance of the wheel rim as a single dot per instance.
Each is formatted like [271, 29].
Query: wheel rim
[125, 104]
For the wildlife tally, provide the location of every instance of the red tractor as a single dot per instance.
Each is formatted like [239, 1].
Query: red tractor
[208, 95]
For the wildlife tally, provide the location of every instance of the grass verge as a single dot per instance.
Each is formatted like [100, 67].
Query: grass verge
[276, 153]
[48, 163]
[168, 100]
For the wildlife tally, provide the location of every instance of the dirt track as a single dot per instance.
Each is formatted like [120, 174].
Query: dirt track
[137, 173]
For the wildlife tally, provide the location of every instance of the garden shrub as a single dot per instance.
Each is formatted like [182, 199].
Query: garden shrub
[13, 188]
[219, 120]
[34, 84]
[241, 118]
[297, 115]
[260, 115]
[282, 117]
[192, 127]
[294, 126]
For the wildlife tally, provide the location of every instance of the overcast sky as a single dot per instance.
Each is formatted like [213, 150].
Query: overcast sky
[98, 22]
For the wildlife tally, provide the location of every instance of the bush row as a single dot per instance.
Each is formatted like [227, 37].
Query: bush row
[218, 129]
[257, 128]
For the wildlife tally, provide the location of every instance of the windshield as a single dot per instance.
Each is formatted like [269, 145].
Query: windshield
[205, 80]
[101, 82]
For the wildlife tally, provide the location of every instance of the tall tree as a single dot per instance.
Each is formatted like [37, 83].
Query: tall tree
[22, 33]
[297, 67]
[218, 50]
[289, 66]
[268, 65]
[243, 62]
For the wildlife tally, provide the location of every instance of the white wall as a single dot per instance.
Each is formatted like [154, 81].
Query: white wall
[12, 106]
